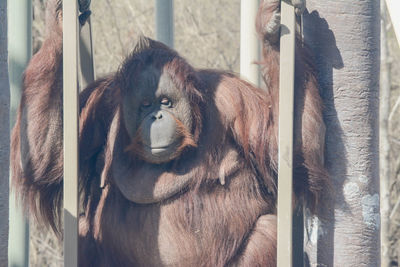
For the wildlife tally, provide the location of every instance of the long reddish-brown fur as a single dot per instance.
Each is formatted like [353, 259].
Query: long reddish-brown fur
[225, 215]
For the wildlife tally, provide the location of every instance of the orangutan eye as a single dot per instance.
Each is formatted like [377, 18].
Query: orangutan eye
[166, 102]
[145, 104]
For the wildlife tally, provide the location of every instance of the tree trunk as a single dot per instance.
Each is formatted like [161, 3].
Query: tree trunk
[344, 36]
[4, 135]
[384, 142]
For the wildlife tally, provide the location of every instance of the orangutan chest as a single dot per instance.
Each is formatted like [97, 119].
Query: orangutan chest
[204, 227]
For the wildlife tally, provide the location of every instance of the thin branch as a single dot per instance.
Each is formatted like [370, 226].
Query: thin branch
[396, 206]
[397, 168]
[394, 140]
[52, 251]
[394, 109]
[394, 210]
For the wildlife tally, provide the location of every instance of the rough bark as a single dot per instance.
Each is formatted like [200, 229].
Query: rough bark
[344, 36]
[384, 145]
[4, 134]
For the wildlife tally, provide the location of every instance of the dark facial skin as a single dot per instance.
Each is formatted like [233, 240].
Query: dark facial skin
[155, 115]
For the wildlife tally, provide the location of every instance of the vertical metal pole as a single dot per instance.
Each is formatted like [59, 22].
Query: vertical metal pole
[286, 106]
[249, 44]
[165, 22]
[86, 55]
[70, 79]
[20, 51]
[5, 135]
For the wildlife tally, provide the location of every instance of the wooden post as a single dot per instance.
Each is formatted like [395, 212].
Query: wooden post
[71, 109]
[286, 107]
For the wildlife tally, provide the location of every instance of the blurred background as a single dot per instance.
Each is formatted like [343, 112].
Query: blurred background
[207, 34]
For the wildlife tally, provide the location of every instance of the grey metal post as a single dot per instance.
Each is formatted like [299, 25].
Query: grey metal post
[165, 22]
[87, 73]
[345, 38]
[5, 134]
[20, 52]
[249, 44]
[286, 114]
[71, 109]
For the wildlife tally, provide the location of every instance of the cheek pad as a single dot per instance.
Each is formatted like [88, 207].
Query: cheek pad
[184, 114]
[130, 116]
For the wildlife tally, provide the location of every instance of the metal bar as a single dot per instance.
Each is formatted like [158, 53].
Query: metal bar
[249, 44]
[70, 80]
[20, 51]
[299, 215]
[165, 22]
[86, 58]
[4, 133]
[298, 236]
[286, 106]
